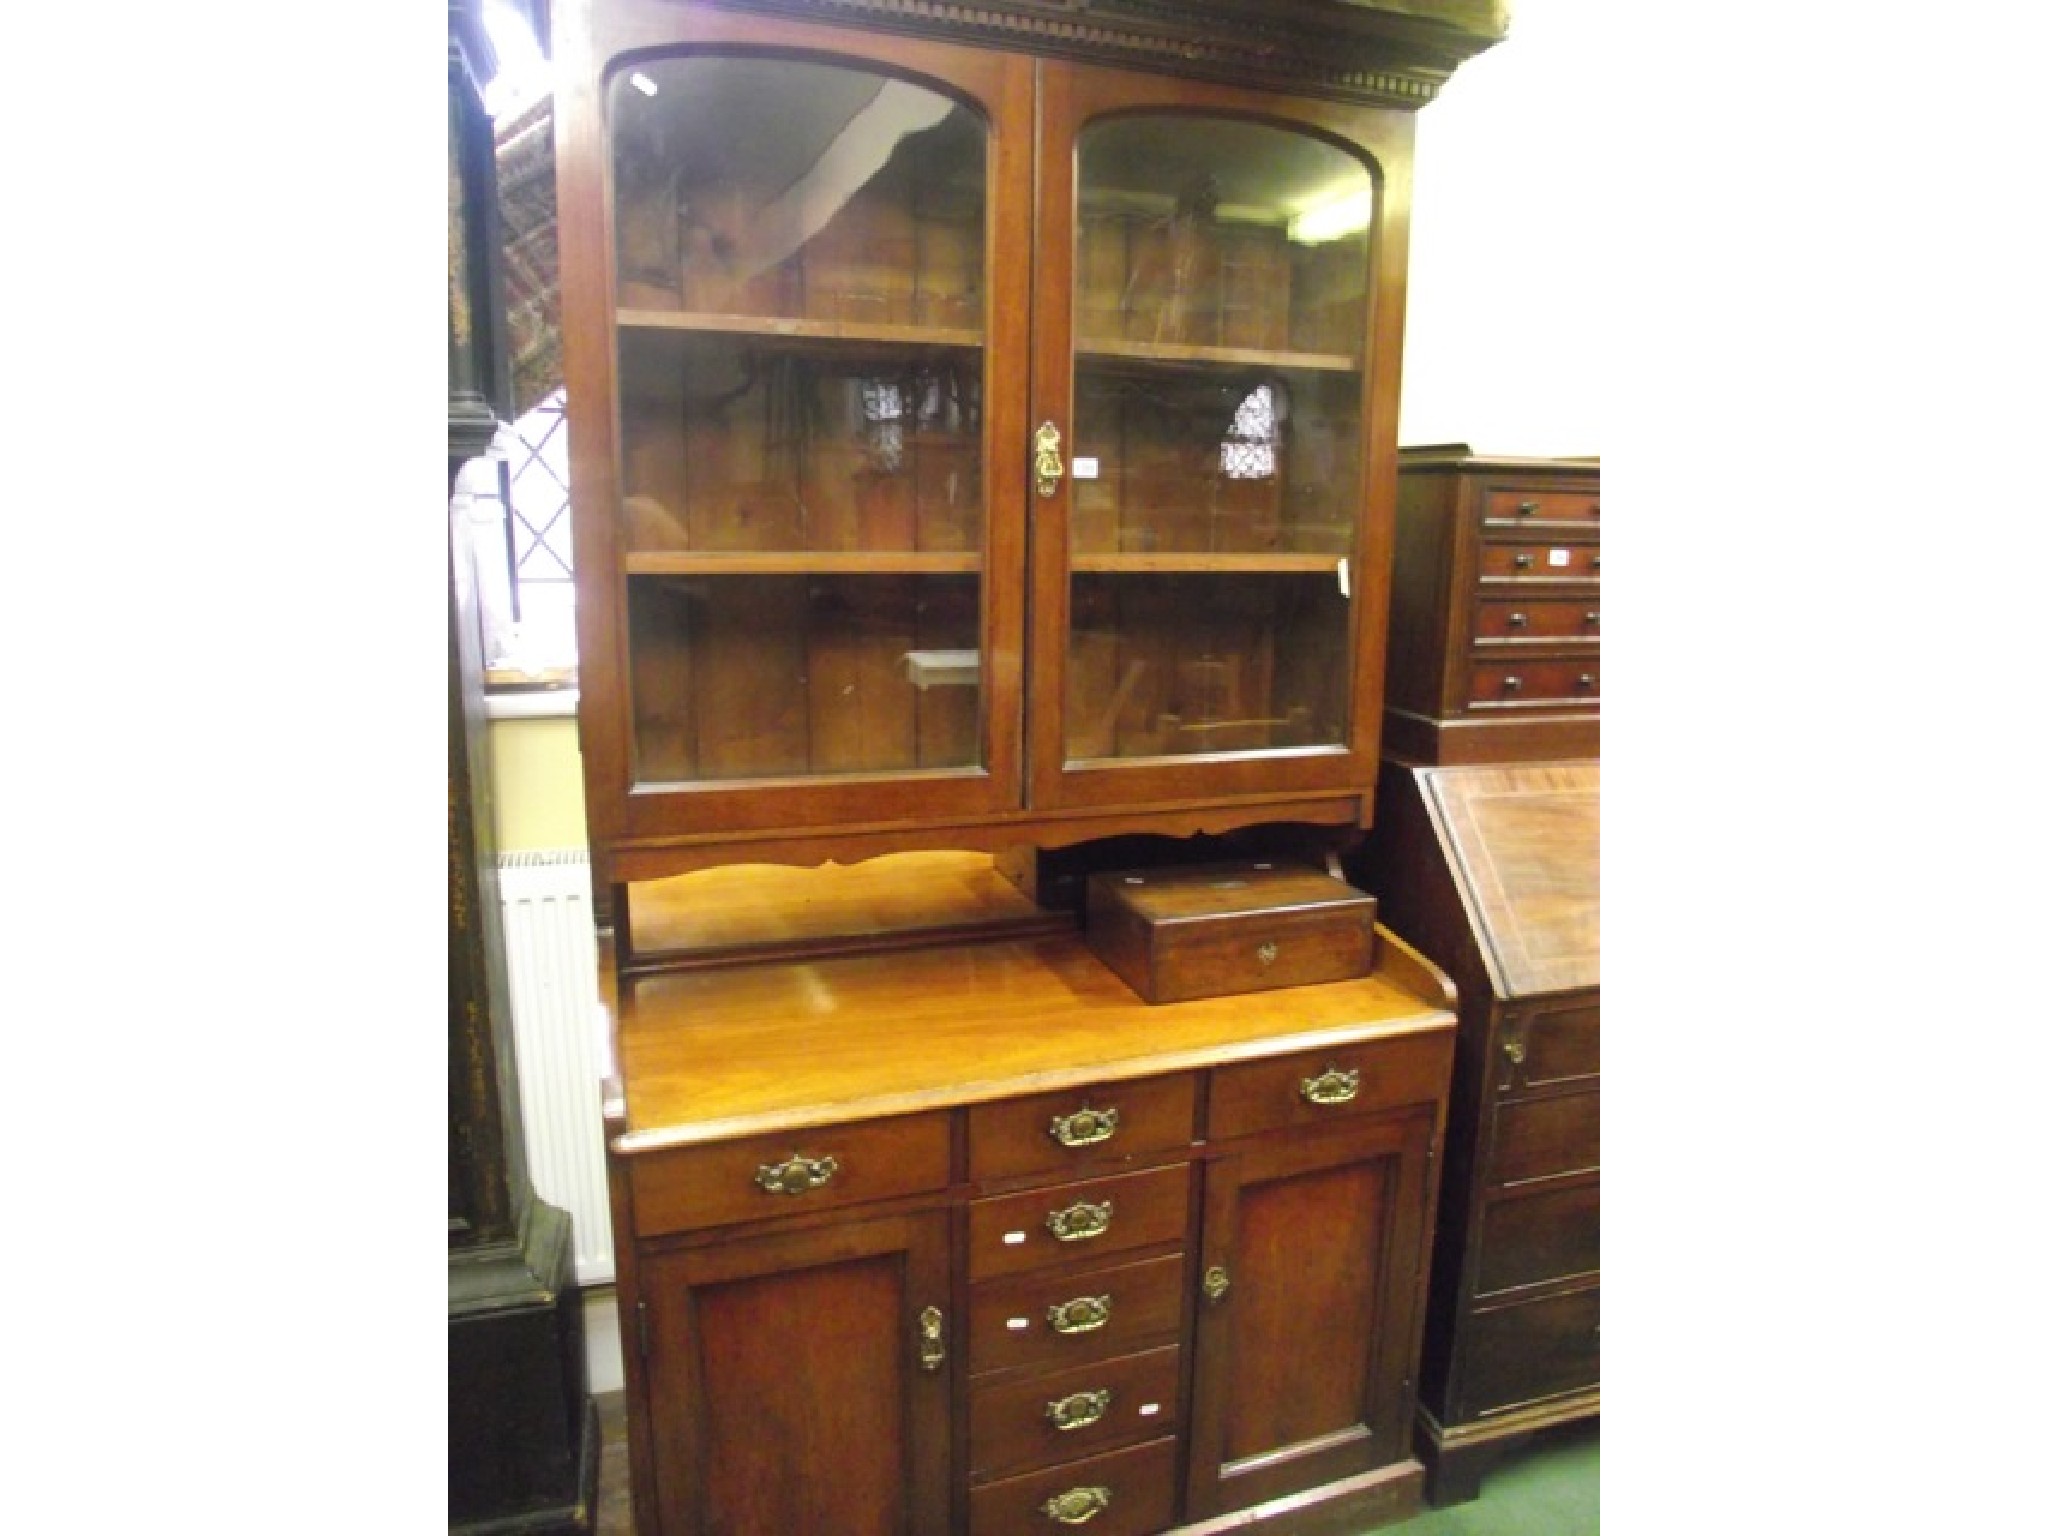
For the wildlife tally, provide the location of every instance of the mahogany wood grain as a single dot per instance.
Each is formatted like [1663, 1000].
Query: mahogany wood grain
[713, 1184]
[1271, 1095]
[1138, 1483]
[1012, 1428]
[1009, 1323]
[715, 1054]
[1014, 1137]
[1524, 1353]
[1560, 1047]
[1009, 1234]
[1532, 1239]
[800, 1351]
[1544, 1138]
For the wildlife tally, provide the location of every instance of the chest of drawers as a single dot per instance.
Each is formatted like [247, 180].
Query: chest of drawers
[1493, 646]
[1494, 869]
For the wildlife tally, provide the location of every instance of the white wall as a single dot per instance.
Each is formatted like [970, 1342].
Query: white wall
[1505, 267]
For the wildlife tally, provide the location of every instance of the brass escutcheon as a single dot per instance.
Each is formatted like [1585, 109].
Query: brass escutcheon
[1215, 1282]
[796, 1176]
[931, 1338]
[1084, 1127]
[1080, 1221]
[1268, 952]
[1077, 1506]
[1084, 1314]
[1045, 452]
[1079, 1410]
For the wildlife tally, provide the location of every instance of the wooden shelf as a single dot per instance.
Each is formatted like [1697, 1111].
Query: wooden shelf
[802, 563]
[1203, 562]
[1096, 349]
[780, 327]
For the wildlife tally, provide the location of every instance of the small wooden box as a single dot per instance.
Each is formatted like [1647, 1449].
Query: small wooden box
[1209, 930]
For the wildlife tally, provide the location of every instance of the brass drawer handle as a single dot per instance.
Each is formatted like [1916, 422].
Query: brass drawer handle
[1526, 508]
[1077, 1506]
[1216, 1282]
[1084, 1314]
[1585, 679]
[1511, 683]
[1335, 1086]
[931, 1338]
[1516, 1051]
[1268, 952]
[1045, 454]
[1518, 621]
[1593, 616]
[1084, 1127]
[1079, 1410]
[1080, 1221]
[797, 1176]
[1524, 562]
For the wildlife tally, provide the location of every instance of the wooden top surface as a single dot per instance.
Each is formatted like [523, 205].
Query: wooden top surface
[1525, 848]
[706, 1055]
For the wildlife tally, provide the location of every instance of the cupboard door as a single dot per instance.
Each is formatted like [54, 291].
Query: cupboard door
[1307, 1309]
[815, 1351]
[808, 498]
[1212, 542]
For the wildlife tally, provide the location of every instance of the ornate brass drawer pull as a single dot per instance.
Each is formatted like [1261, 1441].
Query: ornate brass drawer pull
[1335, 1086]
[1084, 1314]
[1079, 1410]
[1080, 1221]
[1077, 1506]
[797, 1176]
[1084, 1127]
[931, 1338]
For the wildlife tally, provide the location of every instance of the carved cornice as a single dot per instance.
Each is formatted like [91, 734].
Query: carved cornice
[1377, 54]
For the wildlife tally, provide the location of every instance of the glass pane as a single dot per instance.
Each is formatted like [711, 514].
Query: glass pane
[1220, 274]
[740, 677]
[799, 251]
[1166, 664]
[734, 443]
[747, 186]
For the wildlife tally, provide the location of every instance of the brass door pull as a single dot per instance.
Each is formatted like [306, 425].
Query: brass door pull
[931, 1338]
[1080, 1221]
[797, 1176]
[1084, 1127]
[1084, 1314]
[1078, 1410]
[1334, 1086]
[1045, 459]
[1077, 1506]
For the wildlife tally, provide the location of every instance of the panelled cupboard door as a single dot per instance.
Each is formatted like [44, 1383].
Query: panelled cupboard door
[800, 1382]
[1306, 1309]
[1216, 352]
[797, 449]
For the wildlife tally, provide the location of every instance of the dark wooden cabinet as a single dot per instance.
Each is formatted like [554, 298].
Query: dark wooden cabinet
[1493, 637]
[799, 1381]
[1494, 870]
[1009, 1248]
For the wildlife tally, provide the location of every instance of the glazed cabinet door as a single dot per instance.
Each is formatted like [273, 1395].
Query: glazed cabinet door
[801, 1382]
[1216, 356]
[1307, 1308]
[801, 498]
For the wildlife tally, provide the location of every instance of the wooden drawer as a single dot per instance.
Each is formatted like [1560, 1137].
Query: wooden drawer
[1050, 1132]
[1507, 619]
[1557, 1046]
[1535, 680]
[840, 1165]
[1542, 1138]
[1527, 1351]
[1530, 1239]
[1506, 560]
[1121, 1493]
[1315, 1087]
[1059, 1415]
[1522, 504]
[1069, 1318]
[1082, 1220]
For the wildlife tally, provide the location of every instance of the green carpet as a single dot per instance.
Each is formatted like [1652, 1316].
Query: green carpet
[1549, 1485]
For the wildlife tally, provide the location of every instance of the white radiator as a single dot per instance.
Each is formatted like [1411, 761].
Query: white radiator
[558, 1035]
